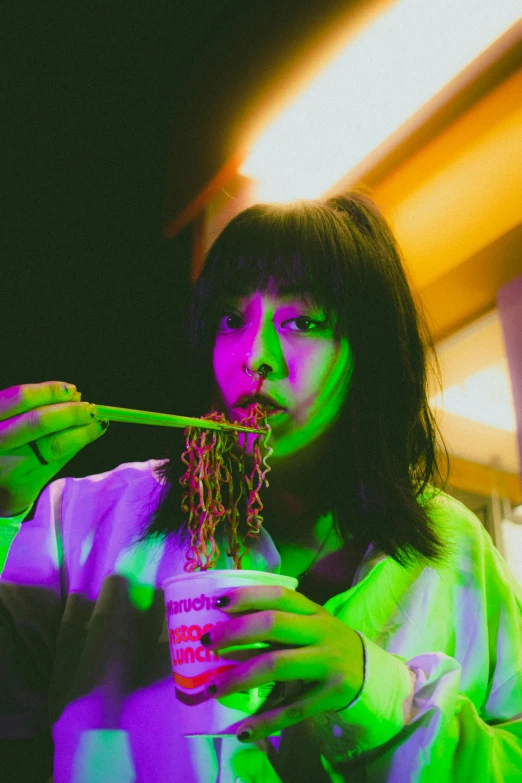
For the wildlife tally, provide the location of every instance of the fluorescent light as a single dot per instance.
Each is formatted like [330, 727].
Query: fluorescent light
[368, 91]
[484, 397]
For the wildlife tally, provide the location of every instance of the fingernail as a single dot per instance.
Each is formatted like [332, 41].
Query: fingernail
[223, 600]
[245, 734]
[104, 423]
[206, 639]
[68, 388]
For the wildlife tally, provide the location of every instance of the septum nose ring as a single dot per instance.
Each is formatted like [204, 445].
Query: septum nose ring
[261, 373]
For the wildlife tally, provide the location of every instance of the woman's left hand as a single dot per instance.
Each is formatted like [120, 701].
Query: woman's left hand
[320, 651]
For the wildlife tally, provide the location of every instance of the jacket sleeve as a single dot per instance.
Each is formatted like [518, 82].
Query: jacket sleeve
[30, 613]
[415, 720]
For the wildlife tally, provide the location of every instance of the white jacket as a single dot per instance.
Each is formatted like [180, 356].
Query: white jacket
[85, 653]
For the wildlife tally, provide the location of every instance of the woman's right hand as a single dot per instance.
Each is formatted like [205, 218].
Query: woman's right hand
[50, 415]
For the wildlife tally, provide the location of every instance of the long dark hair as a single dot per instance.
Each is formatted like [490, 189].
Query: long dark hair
[380, 478]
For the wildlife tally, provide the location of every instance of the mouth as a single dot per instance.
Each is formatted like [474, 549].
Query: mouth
[269, 405]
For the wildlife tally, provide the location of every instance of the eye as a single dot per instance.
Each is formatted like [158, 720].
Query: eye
[229, 322]
[303, 324]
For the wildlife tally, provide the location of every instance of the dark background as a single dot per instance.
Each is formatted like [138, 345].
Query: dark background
[116, 115]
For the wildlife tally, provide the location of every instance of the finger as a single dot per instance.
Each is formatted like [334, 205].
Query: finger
[257, 597]
[320, 698]
[39, 422]
[303, 663]
[63, 446]
[19, 399]
[264, 626]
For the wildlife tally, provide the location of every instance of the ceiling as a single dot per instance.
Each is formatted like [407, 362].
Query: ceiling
[455, 206]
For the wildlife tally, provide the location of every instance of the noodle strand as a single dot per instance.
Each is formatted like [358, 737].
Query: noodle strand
[210, 460]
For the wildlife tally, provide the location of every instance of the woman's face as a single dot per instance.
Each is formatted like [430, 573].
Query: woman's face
[309, 368]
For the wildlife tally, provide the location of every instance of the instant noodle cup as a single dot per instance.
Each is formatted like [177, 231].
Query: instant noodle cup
[189, 603]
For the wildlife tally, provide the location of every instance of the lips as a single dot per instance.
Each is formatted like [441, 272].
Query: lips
[265, 400]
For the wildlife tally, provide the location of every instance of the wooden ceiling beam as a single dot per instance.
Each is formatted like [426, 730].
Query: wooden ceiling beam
[469, 291]
[484, 480]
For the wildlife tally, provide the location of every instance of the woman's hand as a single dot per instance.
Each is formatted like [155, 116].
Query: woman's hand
[321, 652]
[52, 417]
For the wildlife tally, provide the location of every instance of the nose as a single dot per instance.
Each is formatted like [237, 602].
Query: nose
[265, 349]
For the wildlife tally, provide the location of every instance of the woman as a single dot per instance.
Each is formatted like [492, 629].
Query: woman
[413, 669]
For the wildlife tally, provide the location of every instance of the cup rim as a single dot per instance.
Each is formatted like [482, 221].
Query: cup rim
[288, 581]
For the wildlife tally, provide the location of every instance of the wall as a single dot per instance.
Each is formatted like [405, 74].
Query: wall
[509, 302]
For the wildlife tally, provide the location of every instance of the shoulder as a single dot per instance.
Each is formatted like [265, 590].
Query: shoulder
[109, 506]
[450, 514]
[470, 547]
[126, 473]
[130, 479]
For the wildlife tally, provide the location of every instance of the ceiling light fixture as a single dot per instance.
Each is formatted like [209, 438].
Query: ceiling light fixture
[382, 78]
[484, 397]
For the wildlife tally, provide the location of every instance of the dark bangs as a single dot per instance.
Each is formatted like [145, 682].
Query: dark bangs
[299, 247]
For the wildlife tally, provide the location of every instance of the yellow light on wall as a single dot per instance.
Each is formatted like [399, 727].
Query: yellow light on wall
[368, 91]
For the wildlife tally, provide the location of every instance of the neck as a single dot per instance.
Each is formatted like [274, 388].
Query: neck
[295, 509]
